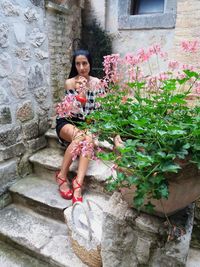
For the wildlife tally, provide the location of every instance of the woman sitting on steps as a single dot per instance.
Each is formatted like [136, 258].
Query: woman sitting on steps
[67, 128]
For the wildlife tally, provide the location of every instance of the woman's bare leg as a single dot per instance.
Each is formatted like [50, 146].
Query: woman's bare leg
[82, 168]
[72, 134]
[67, 132]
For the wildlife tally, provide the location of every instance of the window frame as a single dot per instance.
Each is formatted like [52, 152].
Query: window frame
[165, 20]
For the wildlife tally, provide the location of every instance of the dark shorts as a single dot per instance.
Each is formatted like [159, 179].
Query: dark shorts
[62, 122]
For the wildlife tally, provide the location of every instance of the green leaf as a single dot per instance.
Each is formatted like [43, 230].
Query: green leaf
[138, 201]
[164, 191]
[177, 132]
[191, 74]
[161, 154]
[170, 167]
[149, 207]
[178, 99]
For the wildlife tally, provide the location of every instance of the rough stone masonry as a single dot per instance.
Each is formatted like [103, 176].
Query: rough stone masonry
[36, 42]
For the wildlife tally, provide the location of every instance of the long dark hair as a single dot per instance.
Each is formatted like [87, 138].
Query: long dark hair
[76, 53]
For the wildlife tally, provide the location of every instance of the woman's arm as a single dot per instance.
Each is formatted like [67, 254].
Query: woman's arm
[69, 84]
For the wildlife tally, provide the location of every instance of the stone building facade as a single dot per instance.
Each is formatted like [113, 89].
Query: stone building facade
[129, 33]
[36, 42]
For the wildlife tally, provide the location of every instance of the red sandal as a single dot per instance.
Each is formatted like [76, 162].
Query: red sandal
[65, 194]
[76, 199]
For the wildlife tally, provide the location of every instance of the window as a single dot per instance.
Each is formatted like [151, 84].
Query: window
[139, 7]
[146, 14]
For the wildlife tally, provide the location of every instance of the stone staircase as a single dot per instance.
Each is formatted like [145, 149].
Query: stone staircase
[33, 232]
[33, 224]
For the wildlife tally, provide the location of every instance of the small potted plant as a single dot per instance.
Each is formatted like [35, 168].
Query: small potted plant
[157, 165]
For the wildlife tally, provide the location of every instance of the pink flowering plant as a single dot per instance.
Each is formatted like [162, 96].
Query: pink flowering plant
[150, 112]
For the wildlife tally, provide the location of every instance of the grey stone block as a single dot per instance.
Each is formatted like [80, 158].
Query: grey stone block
[12, 151]
[38, 236]
[5, 200]
[30, 130]
[8, 173]
[9, 135]
[37, 144]
[25, 111]
[5, 115]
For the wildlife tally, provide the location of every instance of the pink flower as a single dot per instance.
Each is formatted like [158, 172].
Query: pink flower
[163, 76]
[114, 168]
[190, 46]
[131, 59]
[76, 151]
[143, 56]
[155, 49]
[68, 106]
[173, 64]
[83, 148]
[197, 87]
[111, 70]
[187, 67]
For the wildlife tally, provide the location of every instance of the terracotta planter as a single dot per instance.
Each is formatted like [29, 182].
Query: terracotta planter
[184, 188]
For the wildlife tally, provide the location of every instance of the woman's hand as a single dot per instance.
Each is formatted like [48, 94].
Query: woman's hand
[80, 86]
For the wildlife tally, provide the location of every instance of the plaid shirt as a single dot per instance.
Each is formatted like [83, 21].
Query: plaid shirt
[90, 105]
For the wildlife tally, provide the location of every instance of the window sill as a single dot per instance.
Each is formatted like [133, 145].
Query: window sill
[151, 21]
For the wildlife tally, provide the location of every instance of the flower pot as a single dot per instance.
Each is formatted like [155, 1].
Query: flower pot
[184, 188]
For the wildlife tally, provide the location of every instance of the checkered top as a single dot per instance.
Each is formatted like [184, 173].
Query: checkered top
[90, 105]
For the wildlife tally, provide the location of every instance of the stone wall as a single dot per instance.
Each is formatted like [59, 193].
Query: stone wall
[126, 40]
[64, 27]
[186, 27]
[137, 239]
[36, 40]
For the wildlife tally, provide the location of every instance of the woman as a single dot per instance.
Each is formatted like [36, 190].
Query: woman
[67, 130]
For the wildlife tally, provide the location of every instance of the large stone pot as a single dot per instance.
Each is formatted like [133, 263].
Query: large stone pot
[184, 188]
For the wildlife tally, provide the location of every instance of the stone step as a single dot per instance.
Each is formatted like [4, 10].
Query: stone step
[12, 257]
[40, 195]
[38, 236]
[52, 139]
[47, 161]
[193, 259]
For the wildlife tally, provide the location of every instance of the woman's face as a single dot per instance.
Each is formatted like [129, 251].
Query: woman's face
[82, 65]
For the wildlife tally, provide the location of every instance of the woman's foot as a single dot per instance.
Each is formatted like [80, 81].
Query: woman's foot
[118, 141]
[64, 189]
[77, 196]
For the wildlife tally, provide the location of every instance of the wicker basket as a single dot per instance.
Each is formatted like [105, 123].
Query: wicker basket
[86, 248]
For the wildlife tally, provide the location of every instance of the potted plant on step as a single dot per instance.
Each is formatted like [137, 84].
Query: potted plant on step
[156, 163]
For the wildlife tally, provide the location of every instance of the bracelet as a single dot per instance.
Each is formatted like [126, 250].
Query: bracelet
[83, 100]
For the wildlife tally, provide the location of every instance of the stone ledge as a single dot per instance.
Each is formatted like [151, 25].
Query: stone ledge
[56, 7]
